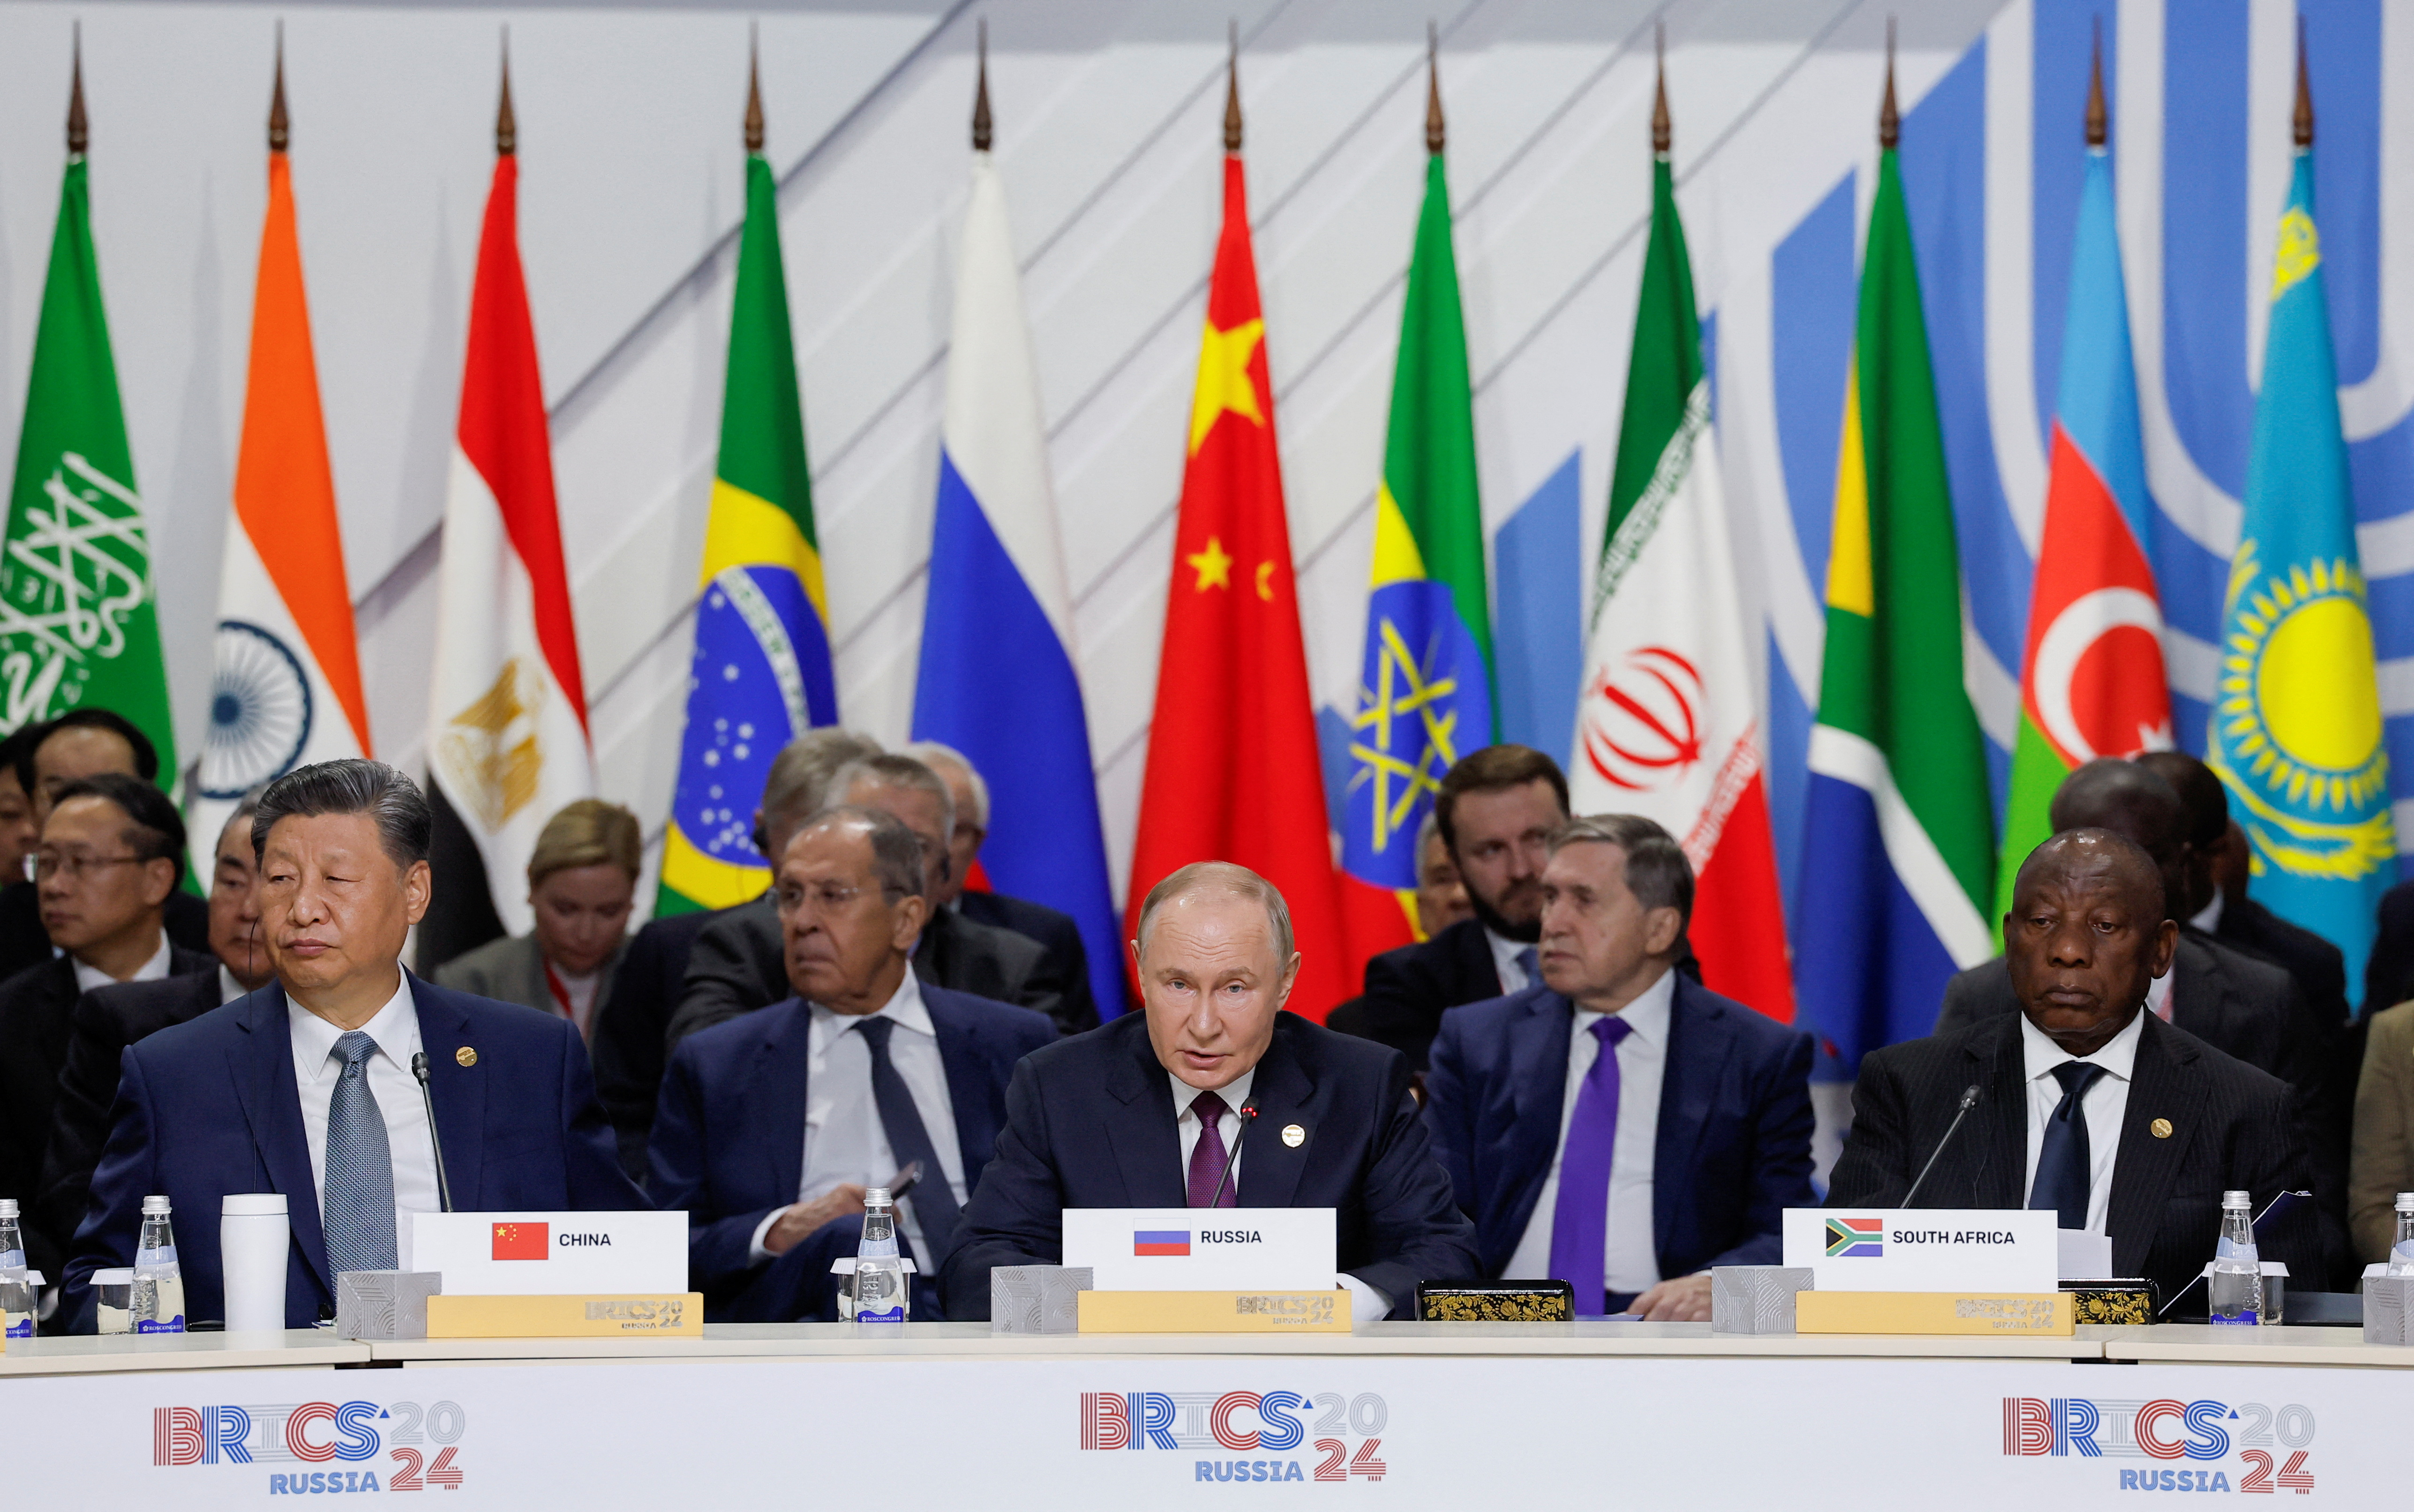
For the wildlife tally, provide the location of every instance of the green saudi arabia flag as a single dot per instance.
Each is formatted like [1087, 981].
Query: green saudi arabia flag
[78, 623]
[1898, 820]
[761, 673]
[1426, 697]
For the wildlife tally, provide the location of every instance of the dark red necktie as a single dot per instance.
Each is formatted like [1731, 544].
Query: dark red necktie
[1208, 1188]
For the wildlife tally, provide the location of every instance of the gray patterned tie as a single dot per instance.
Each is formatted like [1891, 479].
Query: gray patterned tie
[359, 1199]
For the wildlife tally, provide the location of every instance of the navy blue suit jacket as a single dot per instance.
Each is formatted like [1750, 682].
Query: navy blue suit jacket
[1734, 1149]
[1090, 1123]
[729, 1135]
[209, 1107]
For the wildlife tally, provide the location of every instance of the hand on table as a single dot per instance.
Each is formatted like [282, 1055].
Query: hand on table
[801, 1218]
[1686, 1299]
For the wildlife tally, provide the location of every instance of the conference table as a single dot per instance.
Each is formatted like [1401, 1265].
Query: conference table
[1404, 1415]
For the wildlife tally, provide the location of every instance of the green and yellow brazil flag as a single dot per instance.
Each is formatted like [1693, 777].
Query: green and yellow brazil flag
[761, 674]
[78, 623]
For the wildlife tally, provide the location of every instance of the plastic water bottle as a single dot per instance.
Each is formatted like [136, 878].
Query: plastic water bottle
[2237, 1283]
[2401, 1253]
[158, 1301]
[17, 1296]
[879, 1274]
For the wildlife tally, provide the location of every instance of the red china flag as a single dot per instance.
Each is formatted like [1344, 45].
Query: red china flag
[1233, 773]
[520, 1241]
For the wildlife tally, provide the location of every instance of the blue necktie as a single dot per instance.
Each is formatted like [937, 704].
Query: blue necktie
[1580, 1218]
[934, 1200]
[2064, 1171]
[1530, 961]
[359, 1199]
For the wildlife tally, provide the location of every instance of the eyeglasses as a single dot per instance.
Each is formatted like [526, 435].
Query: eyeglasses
[42, 868]
[823, 897]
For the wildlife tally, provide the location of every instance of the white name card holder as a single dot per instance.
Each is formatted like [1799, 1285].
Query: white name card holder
[1965, 1251]
[1203, 1249]
[550, 1255]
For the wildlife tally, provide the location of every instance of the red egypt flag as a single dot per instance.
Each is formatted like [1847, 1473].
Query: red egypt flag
[1233, 771]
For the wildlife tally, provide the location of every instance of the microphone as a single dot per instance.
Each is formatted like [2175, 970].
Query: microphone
[435, 1141]
[1969, 1100]
[1248, 1112]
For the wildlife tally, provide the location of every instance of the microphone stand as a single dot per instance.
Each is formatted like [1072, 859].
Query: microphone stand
[1969, 1100]
[1248, 1114]
[435, 1141]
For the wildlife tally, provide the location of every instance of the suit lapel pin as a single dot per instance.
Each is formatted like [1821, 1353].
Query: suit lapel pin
[1294, 1136]
[2161, 1128]
[469, 1058]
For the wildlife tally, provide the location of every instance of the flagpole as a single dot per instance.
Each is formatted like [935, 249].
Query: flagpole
[78, 136]
[1232, 93]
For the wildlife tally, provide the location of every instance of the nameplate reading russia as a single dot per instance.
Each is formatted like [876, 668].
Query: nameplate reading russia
[1978, 1250]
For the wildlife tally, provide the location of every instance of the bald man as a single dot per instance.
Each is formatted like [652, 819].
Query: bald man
[2087, 1105]
[1149, 1112]
[2245, 1007]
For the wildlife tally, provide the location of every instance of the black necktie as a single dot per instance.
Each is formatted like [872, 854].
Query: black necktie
[934, 1201]
[2064, 1164]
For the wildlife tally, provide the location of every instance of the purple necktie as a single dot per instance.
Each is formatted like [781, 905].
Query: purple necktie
[1580, 1218]
[1208, 1188]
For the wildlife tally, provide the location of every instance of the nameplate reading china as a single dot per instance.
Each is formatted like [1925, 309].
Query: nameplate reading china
[1202, 1249]
[1924, 1249]
[550, 1255]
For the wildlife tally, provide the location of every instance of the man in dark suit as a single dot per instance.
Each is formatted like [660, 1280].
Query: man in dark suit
[1497, 810]
[109, 1018]
[2087, 1105]
[1068, 959]
[81, 743]
[774, 1123]
[305, 1086]
[1146, 1111]
[1618, 1125]
[632, 1023]
[737, 965]
[2245, 1007]
[112, 850]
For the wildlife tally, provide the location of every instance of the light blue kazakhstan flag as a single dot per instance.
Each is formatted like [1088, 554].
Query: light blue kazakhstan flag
[2296, 731]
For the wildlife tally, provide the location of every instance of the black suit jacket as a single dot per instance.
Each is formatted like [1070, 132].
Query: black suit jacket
[2388, 970]
[2319, 967]
[35, 1008]
[106, 1020]
[1090, 1123]
[1066, 964]
[634, 1023]
[1410, 988]
[2231, 1127]
[737, 966]
[24, 943]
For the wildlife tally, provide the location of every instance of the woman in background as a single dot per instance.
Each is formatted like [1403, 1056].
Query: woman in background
[582, 882]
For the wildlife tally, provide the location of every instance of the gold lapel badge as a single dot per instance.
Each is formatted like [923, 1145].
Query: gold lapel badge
[2161, 1128]
[1294, 1136]
[469, 1057]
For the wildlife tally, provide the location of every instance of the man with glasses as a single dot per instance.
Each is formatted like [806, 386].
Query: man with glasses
[112, 852]
[773, 1123]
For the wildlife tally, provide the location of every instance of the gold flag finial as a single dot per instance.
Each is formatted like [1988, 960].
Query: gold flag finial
[2304, 118]
[78, 136]
[281, 129]
[1233, 95]
[1663, 133]
[1889, 121]
[2099, 121]
[1434, 131]
[981, 129]
[507, 126]
[754, 92]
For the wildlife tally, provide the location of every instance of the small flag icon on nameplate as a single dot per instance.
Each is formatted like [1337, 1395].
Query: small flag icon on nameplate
[520, 1241]
[1161, 1241]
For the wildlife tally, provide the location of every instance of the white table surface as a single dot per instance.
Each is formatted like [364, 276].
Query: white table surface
[2204, 1343]
[94, 1354]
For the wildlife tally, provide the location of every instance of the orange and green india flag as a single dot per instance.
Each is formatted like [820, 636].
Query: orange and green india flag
[761, 675]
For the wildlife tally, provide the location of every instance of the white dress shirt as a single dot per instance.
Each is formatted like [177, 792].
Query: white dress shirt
[2106, 1104]
[316, 1071]
[1505, 964]
[2209, 917]
[153, 970]
[1367, 1304]
[229, 988]
[1629, 1257]
[2158, 994]
[844, 1140]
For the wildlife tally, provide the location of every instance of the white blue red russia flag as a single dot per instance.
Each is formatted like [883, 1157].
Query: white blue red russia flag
[997, 679]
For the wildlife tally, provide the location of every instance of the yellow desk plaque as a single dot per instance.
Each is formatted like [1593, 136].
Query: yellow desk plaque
[679, 1315]
[1934, 1313]
[1212, 1312]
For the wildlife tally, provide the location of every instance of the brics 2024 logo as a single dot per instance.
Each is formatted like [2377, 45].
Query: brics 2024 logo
[421, 1444]
[1856, 1239]
[1246, 1423]
[2248, 1446]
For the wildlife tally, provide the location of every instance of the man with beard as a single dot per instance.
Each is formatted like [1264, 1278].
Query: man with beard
[1496, 812]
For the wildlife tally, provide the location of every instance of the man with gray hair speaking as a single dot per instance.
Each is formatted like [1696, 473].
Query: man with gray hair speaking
[1149, 1111]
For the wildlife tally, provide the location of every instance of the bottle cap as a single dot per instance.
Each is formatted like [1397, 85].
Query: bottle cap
[2237, 1199]
[2405, 1205]
[876, 1196]
[252, 1205]
[155, 1206]
[8, 1207]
